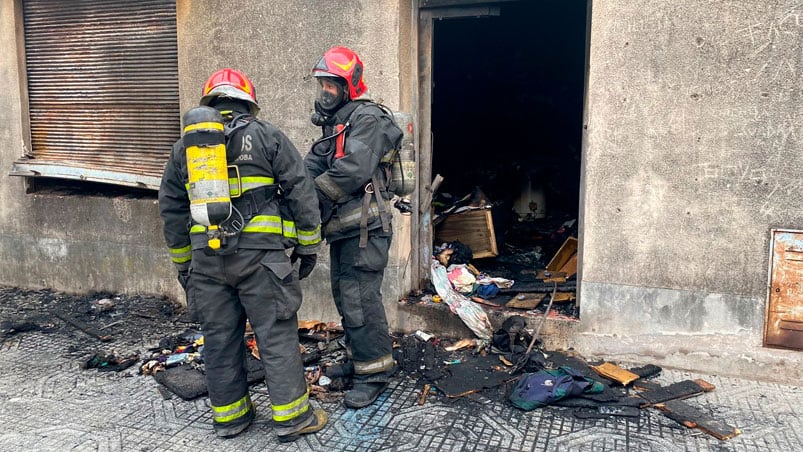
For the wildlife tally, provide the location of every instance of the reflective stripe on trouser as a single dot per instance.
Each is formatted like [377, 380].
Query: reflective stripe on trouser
[181, 255]
[381, 364]
[233, 411]
[356, 282]
[230, 289]
[291, 410]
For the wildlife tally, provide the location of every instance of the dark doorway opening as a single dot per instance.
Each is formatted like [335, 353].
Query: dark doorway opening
[507, 111]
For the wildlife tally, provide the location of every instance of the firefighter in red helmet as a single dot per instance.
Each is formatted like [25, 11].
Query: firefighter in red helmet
[356, 216]
[249, 273]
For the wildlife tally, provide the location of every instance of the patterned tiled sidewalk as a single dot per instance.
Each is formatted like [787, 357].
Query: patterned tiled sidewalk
[48, 403]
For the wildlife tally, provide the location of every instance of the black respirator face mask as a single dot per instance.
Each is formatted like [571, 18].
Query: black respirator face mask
[327, 104]
[329, 101]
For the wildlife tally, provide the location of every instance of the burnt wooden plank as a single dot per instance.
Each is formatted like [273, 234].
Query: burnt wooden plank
[526, 300]
[692, 417]
[616, 373]
[679, 390]
[539, 286]
[646, 371]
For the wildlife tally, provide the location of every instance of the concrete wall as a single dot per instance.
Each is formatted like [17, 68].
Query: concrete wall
[694, 127]
[82, 244]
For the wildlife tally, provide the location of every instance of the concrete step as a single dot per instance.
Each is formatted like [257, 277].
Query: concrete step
[436, 318]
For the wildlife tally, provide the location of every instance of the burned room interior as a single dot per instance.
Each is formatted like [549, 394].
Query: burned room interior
[507, 109]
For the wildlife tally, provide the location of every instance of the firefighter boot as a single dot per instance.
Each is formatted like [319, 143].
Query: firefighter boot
[343, 370]
[317, 421]
[363, 394]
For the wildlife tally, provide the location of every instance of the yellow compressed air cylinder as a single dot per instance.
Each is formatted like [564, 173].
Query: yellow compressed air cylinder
[205, 148]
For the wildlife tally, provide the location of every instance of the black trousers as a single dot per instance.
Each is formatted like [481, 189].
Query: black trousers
[356, 288]
[261, 286]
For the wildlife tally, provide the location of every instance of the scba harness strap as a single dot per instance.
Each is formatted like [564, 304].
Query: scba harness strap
[376, 186]
[247, 204]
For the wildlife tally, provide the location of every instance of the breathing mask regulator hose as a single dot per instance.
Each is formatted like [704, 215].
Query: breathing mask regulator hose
[325, 150]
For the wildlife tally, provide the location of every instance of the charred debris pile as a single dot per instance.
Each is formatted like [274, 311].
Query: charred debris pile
[151, 337]
[511, 367]
[516, 259]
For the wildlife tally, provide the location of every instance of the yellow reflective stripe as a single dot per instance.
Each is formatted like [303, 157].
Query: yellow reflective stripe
[204, 125]
[248, 183]
[371, 367]
[228, 413]
[182, 250]
[309, 237]
[291, 410]
[264, 223]
[257, 180]
[272, 224]
[289, 228]
[181, 255]
[234, 187]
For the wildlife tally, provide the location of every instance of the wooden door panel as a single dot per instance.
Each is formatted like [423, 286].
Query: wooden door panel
[784, 317]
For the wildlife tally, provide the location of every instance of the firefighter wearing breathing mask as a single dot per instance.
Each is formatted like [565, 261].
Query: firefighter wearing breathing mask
[239, 209]
[356, 133]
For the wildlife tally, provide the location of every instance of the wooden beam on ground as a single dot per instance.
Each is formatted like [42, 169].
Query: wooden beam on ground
[692, 417]
[88, 329]
[680, 390]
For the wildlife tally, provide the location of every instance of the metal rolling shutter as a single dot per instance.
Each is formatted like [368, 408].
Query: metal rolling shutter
[102, 89]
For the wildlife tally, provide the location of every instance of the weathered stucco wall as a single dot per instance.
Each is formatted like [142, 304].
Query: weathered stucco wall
[83, 244]
[276, 44]
[692, 154]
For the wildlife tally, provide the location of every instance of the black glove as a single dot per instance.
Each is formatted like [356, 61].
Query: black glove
[183, 278]
[307, 263]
